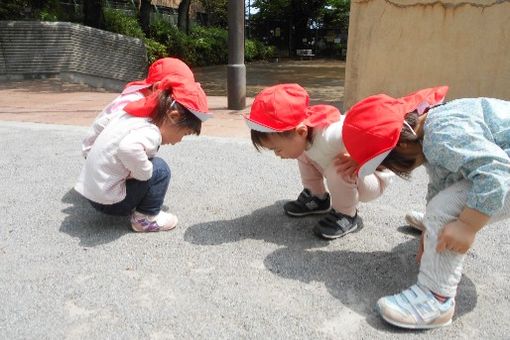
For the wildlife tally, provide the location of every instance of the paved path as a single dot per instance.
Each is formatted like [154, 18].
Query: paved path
[53, 101]
[235, 267]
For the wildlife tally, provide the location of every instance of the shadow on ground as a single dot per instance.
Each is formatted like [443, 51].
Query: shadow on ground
[90, 226]
[268, 224]
[357, 279]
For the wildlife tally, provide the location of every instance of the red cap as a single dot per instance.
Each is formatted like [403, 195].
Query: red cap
[371, 128]
[283, 107]
[160, 69]
[187, 93]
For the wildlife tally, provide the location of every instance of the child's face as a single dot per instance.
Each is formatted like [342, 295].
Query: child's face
[289, 146]
[171, 133]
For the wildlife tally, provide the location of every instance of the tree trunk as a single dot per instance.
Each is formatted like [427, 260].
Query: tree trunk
[144, 16]
[93, 13]
[183, 16]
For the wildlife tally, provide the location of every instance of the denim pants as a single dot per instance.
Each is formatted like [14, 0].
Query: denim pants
[145, 197]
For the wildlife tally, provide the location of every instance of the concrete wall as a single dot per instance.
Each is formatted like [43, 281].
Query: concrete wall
[397, 46]
[30, 49]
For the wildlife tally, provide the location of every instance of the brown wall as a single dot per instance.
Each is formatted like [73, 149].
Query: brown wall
[398, 46]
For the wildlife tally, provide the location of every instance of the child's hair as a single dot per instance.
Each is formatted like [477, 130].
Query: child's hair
[167, 103]
[403, 163]
[257, 137]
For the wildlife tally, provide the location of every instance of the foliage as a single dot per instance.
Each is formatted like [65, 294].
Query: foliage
[210, 45]
[216, 12]
[176, 42]
[50, 10]
[119, 22]
[203, 45]
[293, 24]
[336, 13]
[155, 50]
[14, 9]
[256, 50]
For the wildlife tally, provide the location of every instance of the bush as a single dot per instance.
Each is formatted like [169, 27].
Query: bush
[155, 50]
[256, 50]
[177, 43]
[210, 45]
[250, 50]
[119, 22]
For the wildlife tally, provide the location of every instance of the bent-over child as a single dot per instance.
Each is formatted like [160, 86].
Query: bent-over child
[465, 147]
[281, 120]
[122, 175]
[136, 90]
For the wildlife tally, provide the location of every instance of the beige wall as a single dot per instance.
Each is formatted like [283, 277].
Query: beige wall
[398, 46]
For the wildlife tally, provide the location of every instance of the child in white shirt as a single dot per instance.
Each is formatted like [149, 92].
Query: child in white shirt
[281, 120]
[121, 175]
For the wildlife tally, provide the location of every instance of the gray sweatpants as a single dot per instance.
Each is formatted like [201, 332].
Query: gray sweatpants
[441, 272]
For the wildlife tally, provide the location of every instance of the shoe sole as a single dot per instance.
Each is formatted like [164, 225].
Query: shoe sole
[357, 227]
[401, 325]
[316, 212]
[404, 325]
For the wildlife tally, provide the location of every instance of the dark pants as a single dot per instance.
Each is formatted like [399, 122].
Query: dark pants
[145, 196]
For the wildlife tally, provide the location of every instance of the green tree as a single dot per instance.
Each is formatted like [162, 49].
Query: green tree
[217, 14]
[293, 16]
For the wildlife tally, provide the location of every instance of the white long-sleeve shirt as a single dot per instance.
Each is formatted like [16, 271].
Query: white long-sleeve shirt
[327, 144]
[117, 146]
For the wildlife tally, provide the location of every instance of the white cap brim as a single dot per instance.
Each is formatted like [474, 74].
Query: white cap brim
[256, 126]
[134, 88]
[203, 116]
[370, 166]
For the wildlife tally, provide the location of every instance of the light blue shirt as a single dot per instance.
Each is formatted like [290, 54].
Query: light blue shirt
[470, 139]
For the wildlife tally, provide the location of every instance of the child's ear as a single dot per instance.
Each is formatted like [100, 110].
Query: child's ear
[173, 115]
[302, 130]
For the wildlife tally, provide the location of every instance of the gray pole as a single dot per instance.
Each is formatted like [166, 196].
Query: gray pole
[236, 70]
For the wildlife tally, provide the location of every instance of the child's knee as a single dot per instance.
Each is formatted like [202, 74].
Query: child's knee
[161, 168]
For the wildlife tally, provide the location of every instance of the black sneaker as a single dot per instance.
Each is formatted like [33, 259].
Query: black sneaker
[336, 225]
[307, 204]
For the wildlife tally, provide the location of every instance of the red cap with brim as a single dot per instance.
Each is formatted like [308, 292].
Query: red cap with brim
[160, 69]
[372, 127]
[283, 107]
[188, 94]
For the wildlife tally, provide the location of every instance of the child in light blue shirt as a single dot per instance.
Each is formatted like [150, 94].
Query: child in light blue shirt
[465, 146]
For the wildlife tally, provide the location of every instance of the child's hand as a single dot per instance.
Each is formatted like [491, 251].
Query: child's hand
[456, 236]
[346, 167]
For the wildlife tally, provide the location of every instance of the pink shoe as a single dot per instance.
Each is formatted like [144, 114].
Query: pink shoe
[146, 223]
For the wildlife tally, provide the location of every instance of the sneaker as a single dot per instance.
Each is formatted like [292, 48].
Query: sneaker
[336, 225]
[415, 220]
[145, 223]
[307, 204]
[416, 308]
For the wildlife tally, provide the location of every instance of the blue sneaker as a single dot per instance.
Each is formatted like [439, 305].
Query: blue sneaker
[416, 308]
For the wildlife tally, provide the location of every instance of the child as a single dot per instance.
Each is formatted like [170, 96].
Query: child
[465, 147]
[281, 120]
[136, 90]
[121, 175]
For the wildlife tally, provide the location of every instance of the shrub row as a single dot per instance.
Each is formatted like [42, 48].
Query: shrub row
[203, 46]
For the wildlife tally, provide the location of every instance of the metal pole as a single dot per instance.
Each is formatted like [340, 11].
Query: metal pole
[236, 70]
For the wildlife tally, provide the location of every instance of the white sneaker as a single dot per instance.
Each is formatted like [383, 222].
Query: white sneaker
[146, 223]
[415, 220]
[416, 308]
